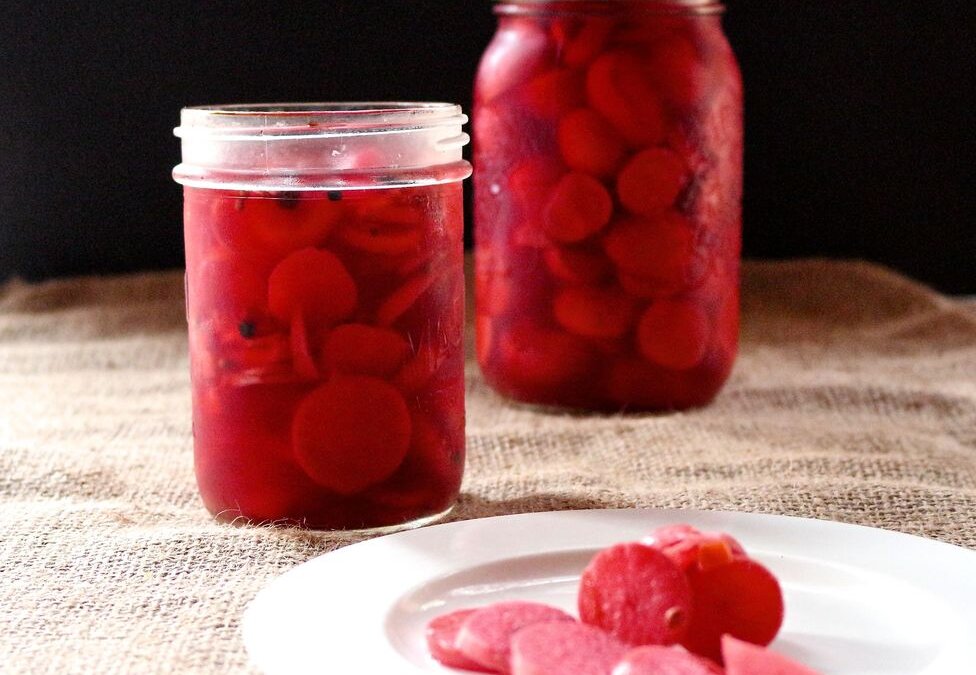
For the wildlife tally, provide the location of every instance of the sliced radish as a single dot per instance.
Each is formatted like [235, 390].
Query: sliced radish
[658, 660]
[554, 93]
[360, 349]
[564, 648]
[745, 658]
[637, 593]
[594, 312]
[485, 637]
[674, 334]
[741, 598]
[651, 182]
[589, 143]
[619, 88]
[441, 636]
[579, 207]
[351, 432]
[313, 282]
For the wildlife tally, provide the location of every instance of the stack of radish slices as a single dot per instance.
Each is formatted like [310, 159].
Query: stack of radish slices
[679, 602]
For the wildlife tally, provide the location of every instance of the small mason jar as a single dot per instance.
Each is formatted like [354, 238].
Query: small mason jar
[325, 303]
[608, 158]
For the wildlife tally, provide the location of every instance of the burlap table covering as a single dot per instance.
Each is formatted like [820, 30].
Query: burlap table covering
[854, 399]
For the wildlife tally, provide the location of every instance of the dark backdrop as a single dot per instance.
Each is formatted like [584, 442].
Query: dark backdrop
[860, 123]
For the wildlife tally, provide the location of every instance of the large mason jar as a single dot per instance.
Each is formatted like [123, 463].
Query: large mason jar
[608, 182]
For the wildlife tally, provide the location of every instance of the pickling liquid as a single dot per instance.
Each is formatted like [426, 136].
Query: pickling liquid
[326, 353]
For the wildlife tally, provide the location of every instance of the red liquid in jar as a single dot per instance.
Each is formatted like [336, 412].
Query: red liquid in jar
[326, 353]
[608, 157]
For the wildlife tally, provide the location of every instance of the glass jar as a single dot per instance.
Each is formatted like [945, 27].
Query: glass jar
[325, 303]
[608, 156]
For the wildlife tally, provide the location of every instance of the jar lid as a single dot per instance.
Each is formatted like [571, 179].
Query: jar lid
[650, 6]
[314, 146]
[280, 121]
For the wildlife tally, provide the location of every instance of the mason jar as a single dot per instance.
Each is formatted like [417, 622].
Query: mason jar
[325, 303]
[608, 183]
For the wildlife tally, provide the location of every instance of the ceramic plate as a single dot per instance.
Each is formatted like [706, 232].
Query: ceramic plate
[858, 600]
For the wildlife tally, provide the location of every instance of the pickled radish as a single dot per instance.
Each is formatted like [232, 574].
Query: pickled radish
[441, 637]
[270, 224]
[588, 143]
[381, 238]
[280, 314]
[594, 313]
[513, 57]
[579, 207]
[637, 593]
[554, 93]
[232, 287]
[564, 648]
[679, 73]
[361, 349]
[651, 182]
[532, 180]
[745, 658]
[403, 298]
[619, 88]
[658, 660]
[674, 277]
[660, 254]
[741, 598]
[586, 42]
[314, 282]
[576, 265]
[485, 637]
[688, 546]
[303, 363]
[535, 357]
[391, 211]
[633, 189]
[247, 470]
[646, 608]
[671, 535]
[674, 334]
[351, 432]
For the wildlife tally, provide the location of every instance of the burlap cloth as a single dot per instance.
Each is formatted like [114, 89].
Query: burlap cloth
[854, 399]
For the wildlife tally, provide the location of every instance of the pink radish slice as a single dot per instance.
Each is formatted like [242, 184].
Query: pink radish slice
[564, 648]
[485, 637]
[683, 543]
[745, 658]
[441, 636]
[741, 598]
[657, 660]
[637, 593]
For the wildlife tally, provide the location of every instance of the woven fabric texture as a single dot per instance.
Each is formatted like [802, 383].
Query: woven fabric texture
[854, 399]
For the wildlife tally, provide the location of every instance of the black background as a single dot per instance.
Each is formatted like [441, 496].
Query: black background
[860, 122]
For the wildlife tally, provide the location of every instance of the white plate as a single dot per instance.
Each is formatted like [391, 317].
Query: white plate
[858, 600]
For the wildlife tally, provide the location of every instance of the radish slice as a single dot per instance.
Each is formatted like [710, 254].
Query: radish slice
[564, 648]
[485, 637]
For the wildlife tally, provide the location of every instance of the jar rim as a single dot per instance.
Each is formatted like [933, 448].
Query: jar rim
[649, 6]
[271, 121]
[316, 146]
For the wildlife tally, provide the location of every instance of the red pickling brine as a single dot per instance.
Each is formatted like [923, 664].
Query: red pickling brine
[325, 319]
[608, 183]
